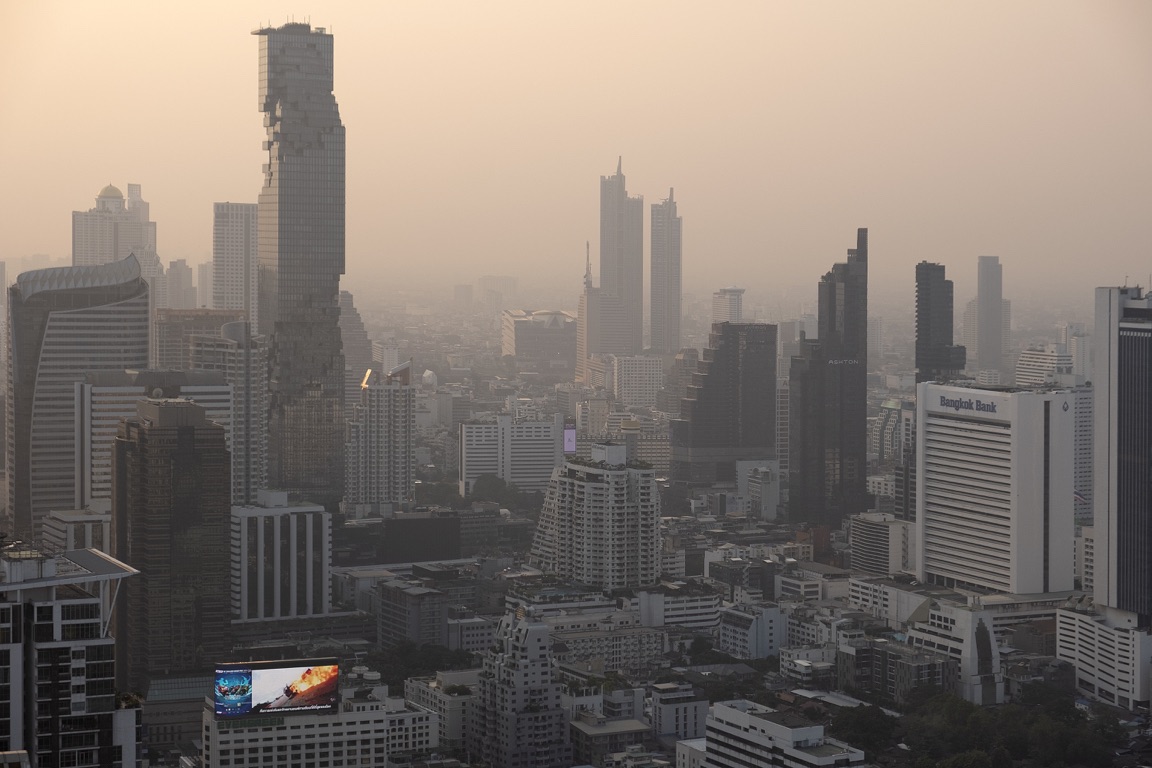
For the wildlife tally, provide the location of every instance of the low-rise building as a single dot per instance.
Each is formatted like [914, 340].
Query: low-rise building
[449, 695]
[742, 733]
[751, 631]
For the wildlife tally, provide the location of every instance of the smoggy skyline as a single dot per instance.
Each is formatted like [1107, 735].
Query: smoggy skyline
[477, 133]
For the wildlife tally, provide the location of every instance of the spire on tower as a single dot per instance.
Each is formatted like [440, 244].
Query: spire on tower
[587, 264]
[619, 164]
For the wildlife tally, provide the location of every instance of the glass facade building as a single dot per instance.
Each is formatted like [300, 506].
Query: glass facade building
[301, 259]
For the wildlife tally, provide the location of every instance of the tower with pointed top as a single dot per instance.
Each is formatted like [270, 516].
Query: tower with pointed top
[664, 306]
[622, 256]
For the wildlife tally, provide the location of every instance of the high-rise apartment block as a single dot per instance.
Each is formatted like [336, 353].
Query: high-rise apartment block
[600, 524]
[58, 660]
[301, 257]
[65, 322]
[728, 305]
[995, 504]
[828, 399]
[937, 358]
[171, 518]
[729, 412]
[243, 360]
[235, 244]
[622, 255]
[666, 289]
[281, 559]
[637, 379]
[517, 718]
[113, 230]
[381, 459]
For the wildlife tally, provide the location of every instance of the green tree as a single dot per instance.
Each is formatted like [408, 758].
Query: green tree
[866, 728]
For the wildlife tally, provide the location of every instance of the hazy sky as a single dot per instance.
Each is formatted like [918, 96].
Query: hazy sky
[477, 131]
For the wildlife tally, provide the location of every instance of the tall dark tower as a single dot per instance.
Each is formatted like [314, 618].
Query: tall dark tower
[937, 358]
[666, 277]
[301, 255]
[622, 255]
[729, 412]
[171, 518]
[828, 400]
[989, 314]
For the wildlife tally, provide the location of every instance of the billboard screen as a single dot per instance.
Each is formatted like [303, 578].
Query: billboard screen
[569, 435]
[277, 688]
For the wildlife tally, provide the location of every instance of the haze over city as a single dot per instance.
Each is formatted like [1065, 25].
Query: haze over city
[477, 134]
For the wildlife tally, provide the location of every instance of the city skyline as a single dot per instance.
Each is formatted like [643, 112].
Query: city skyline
[966, 129]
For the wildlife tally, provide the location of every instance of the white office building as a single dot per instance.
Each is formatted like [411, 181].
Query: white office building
[600, 524]
[234, 264]
[742, 733]
[520, 452]
[281, 559]
[728, 305]
[368, 727]
[994, 505]
[1049, 364]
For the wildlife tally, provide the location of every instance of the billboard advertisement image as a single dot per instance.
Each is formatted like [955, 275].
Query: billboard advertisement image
[283, 687]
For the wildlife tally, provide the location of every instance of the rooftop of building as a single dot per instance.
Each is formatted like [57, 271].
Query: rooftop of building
[610, 727]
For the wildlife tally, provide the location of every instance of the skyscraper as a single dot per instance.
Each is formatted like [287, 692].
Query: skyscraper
[622, 255]
[937, 358]
[171, 517]
[1108, 638]
[729, 411]
[181, 287]
[1123, 442]
[828, 399]
[989, 313]
[113, 229]
[301, 255]
[666, 277]
[357, 351]
[66, 322]
[600, 524]
[381, 460]
[728, 305]
[235, 245]
[601, 328]
[243, 359]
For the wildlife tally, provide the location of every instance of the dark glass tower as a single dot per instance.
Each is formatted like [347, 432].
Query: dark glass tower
[622, 256]
[171, 518]
[729, 412]
[989, 314]
[937, 358]
[828, 400]
[666, 272]
[301, 255]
